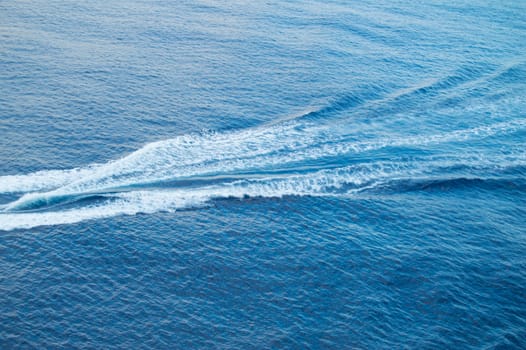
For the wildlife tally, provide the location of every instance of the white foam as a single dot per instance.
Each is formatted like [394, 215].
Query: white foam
[228, 153]
[130, 206]
[323, 182]
[330, 182]
[43, 180]
[231, 153]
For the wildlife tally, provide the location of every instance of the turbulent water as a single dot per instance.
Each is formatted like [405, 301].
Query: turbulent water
[262, 175]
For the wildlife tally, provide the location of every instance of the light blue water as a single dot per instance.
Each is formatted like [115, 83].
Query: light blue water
[296, 174]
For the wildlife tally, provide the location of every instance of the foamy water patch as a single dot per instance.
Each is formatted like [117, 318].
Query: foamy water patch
[127, 182]
[321, 183]
[329, 182]
[230, 153]
[43, 180]
[131, 204]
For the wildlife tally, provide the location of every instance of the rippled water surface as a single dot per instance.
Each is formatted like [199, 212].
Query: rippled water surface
[224, 174]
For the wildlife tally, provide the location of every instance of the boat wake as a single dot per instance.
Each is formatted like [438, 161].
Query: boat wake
[312, 154]
[190, 171]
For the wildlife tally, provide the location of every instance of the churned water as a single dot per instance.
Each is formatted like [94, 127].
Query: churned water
[247, 175]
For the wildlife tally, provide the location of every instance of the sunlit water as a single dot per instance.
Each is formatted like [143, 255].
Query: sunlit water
[262, 175]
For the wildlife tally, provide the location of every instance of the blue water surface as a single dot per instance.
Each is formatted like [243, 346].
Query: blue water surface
[252, 175]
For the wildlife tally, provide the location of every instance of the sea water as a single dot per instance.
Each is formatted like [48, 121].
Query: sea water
[247, 175]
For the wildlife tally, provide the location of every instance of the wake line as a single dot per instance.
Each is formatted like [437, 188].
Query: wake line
[272, 185]
[349, 180]
[234, 153]
[151, 201]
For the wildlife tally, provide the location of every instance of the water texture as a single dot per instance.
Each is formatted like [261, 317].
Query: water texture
[296, 174]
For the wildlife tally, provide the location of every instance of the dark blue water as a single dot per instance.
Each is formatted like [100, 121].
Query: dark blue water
[224, 174]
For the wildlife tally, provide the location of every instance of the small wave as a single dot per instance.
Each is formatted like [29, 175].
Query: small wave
[340, 104]
[515, 72]
[451, 184]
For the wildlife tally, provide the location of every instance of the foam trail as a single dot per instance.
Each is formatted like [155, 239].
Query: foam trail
[43, 180]
[243, 151]
[326, 182]
[186, 155]
[270, 149]
[345, 181]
